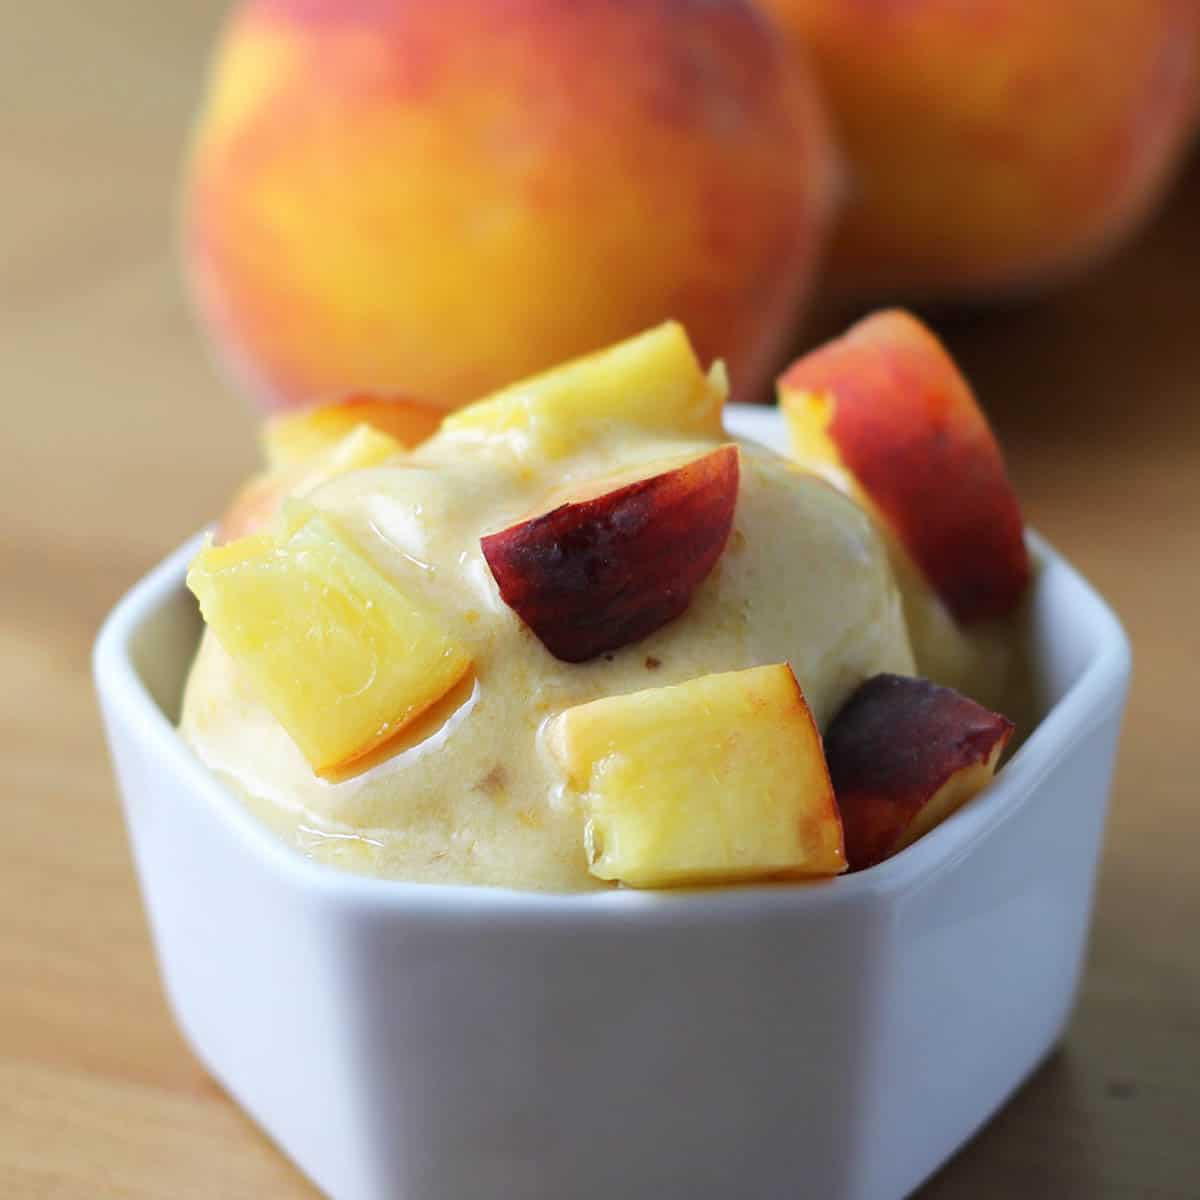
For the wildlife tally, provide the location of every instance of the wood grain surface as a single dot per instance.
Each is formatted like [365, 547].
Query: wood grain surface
[118, 439]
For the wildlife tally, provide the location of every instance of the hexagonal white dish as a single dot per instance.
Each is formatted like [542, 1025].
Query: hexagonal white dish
[422, 1042]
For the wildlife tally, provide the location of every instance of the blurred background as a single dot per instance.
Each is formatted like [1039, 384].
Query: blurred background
[1080, 256]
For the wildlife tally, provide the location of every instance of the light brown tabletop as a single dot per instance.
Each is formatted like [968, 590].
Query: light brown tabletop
[118, 439]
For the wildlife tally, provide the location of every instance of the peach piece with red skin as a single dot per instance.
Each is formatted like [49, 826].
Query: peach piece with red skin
[596, 574]
[903, 754]
[901, 418]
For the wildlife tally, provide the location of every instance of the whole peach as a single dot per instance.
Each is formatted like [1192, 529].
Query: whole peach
[437, 197]
[996, 144]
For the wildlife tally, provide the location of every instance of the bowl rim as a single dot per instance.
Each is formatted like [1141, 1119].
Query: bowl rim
[1092, 698]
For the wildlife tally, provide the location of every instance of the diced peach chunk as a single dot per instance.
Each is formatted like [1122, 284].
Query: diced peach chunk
[904, 754]
[300, 435]
[718, 779]
[598, 573]
[886, 403]
[653, 381]
[337, 652]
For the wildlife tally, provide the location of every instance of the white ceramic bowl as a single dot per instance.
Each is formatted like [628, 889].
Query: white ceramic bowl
[422, 1042]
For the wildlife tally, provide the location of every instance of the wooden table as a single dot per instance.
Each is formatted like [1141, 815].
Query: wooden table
[117, 440]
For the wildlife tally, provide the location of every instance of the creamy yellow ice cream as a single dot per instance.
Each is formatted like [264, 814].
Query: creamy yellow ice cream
[469, 794]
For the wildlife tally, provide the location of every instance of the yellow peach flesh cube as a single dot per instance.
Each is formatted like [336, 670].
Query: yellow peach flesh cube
[653, 381]
[361, 447]
[807, 416]
[300, 436]
[717, 779]
[341, 657]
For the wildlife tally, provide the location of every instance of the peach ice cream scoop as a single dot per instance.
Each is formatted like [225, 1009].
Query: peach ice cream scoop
[577, 637]
[728, 587]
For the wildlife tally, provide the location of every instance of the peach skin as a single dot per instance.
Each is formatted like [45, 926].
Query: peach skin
[996, 144]
[886, 403]
[612, 565]
[436, 197]
[903, 755]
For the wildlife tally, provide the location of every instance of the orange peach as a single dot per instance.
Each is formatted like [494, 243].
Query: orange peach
[436, 197]
[887, 403]
[1001, 143]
